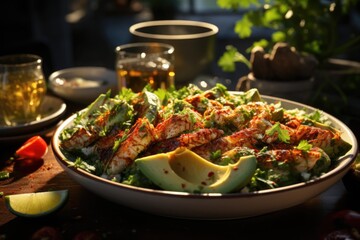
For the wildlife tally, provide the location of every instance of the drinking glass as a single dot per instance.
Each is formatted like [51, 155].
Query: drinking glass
[22, 88]
[141, 64]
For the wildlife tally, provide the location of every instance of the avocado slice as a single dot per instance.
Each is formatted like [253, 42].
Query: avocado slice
[185, 171]
[252, 95]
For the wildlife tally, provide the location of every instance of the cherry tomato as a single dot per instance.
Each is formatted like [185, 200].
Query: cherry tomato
[34, 148]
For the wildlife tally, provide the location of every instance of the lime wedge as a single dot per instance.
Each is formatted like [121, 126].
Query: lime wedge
[36, 204]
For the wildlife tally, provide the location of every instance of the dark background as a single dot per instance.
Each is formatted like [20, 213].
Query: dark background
[70, 33]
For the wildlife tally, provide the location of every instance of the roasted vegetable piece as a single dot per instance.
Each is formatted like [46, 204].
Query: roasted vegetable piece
[338, 146]
[330, 141]
[314, 162]
[137, 140]
[95, 107]
[281, 167]
[147, 105]
[176, 124]
[188, 140]
[92, 130]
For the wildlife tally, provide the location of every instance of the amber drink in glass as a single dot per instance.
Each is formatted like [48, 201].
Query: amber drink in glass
[141, 64]
[22, 89]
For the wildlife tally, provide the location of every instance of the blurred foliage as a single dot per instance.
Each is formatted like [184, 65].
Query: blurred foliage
[311, 26]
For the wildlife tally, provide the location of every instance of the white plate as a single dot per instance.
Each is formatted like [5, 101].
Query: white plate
[212, 206]
[91, 82]
[51, 110]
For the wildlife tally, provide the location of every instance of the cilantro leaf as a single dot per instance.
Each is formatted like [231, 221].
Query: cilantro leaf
[80, 163]
[315, 116]
[304, 146]
[230, 57]
[235, 4]
[243, 27]
[283, 135]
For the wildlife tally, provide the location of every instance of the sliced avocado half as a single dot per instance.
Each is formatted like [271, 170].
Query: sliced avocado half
[185, 171]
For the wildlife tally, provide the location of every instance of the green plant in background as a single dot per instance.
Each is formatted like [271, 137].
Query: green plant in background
[311, 26]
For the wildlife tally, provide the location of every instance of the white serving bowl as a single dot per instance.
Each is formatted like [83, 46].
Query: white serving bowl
[82, 84]
[213, 206]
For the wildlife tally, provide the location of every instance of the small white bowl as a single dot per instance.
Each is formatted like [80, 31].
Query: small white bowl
[82, 84]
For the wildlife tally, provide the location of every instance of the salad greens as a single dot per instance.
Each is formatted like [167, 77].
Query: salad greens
[290, 145]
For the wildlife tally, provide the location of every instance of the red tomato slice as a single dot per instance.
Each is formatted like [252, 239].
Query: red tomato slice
[34, 148]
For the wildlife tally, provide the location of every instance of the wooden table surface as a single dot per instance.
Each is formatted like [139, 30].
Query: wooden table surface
[86, 213]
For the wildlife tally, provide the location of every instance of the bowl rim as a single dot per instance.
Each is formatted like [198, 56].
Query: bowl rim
[124, 48]
[213, 30]
[106, 72]
[344, 163]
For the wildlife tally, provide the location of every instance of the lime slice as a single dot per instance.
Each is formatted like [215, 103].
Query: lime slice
[36, 204]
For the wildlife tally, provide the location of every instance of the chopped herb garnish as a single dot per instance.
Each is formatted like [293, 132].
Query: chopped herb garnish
[283, 135]
[315, 116]
[215, 155]
[79, 163]
[304, 146]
